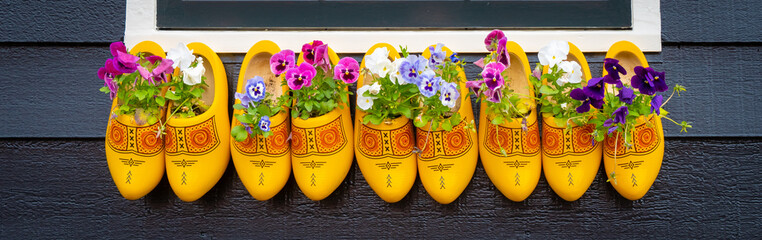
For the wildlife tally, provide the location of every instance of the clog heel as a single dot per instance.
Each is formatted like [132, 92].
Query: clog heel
[198, 148]
[322, 148]
[447, 160]
[637, 167]
[134, 154]
[385, 151]
[263, 164]
[570, 157]
[517, 172]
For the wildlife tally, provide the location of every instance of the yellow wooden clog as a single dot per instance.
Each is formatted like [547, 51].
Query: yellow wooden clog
[515, 174]
[197, 148]
[570, 158]
[321, 148]
[448, 158]
[263, 164]
[385, 151]
[635, 168]
[134, 154]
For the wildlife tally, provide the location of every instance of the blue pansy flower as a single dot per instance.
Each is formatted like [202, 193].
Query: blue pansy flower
[255, 89]
[264, 123]
[448, 94]
[437, 55]
[429, 84]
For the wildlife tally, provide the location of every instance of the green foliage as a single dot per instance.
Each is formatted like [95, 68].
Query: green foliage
[323, 96]
[186, 99]
[432, 111]
[555, 99]
[251, 116]
[138, 96]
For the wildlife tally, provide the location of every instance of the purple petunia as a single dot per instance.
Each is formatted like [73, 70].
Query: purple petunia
[626, 95]
[429, 84]
[282, 61]
[347, 70]
[492, 75]
[301, 76]
[308, 51]
[613, 68]
[656, 103]
[594, 88]
[491, 41]
[608, 123]
[158, 73]
[648, 81]
[581, 95]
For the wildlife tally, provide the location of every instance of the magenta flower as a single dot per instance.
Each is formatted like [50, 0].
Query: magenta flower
[492, 39]
[282, 61]
[494, 95]
[492, 75]
[154, 58]
[124, 62]
[648, 81]
[308, 51]
[502, 52]
[479, 63]
[475, 86]
[301, 76]
[117, 47]
[157, 75]
[107, 73]
[322, 59]
[347, 70]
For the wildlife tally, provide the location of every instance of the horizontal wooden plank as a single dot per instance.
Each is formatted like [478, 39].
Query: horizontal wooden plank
[707, 188]
[53, 91]
[85, 21]
[711, 21]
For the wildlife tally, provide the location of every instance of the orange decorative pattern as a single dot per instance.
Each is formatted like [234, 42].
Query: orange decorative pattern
[558, 141]
[137, 140]
[645, 140]
[513, 140]
[196, 139]
[325, 139]
[443, 143]
[275, 145]
[377, 143]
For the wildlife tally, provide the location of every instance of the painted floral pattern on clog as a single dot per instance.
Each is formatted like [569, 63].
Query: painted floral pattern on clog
[395, 143]
[561, 141]
[193, 140]
[274, 145]
[515, 141]
[136, 140]
[322, 140]
[444, 144]
[646, 141]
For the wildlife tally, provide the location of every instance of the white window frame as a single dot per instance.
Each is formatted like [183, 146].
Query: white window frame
[140, 25]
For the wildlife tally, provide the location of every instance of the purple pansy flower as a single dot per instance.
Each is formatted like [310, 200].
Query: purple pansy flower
[613, 68]
[126, 63]
[347, 70]
[492, 75]
[245, 100]
[437, 55]
[626, 95]
[308, 49]
[491, 41]
[429, 84]
[494, 95]
[502, 52]
[579, 94]
[301, 76]
[255, 89]
[282, 61]
[449, 94]
[649, 81]
[620, 114]
[594, 88]
[610, 80]
[608, 123]
[656, 104]
[454, 58]
[264, 124]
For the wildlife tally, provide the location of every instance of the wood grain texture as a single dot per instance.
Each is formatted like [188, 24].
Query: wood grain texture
[60, 97]
[84, 21]
[707, 188]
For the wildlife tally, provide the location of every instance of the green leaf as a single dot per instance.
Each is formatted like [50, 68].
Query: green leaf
[547, 90]
[105, 89]
[455, 119]
[196, 92]
[161, 100]
[308, 106]
[446, 125]
[238, 107]
[239, 133]
[497, 120]
[243, 118]
[419, 123]
[170, 95]
[140, 94]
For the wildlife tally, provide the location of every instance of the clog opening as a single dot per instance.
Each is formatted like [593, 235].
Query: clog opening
[260, 66]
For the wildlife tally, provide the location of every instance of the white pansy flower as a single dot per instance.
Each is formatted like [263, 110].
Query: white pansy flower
[396, 76]
[181, 56]
[364, 102]
[572, 72]
[378, 62]
[192, 76]
[375, 88]
[553, 53]
[563, 105]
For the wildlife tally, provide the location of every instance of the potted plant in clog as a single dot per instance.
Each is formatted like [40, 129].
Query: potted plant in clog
[197, 129]
[321, 125]
[629, 118]
[134, 149]
[570, 155]
[384, 137]
[260, 127]
[509, 137]
[445, 134]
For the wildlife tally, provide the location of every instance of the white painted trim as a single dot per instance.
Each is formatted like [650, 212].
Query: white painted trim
[140, 25]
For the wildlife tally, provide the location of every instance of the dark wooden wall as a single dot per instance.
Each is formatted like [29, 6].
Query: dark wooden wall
[54, 181]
